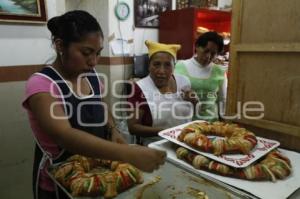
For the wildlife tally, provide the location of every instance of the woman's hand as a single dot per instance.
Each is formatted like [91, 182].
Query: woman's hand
[146, 159]
[190, 96]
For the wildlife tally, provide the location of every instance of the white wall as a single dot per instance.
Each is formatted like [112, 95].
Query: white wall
[17, 144]
[128, 31]
[20, 43]
[223, 3]
[99, 9]
[121, 29]
[104, 12]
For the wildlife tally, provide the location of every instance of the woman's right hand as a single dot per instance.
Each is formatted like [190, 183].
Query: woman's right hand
[146, 159]
[190, 96]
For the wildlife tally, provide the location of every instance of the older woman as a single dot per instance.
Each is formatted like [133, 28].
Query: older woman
[157, 99]
[207, 79]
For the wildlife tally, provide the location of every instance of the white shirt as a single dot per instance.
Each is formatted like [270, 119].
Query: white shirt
[195, 69]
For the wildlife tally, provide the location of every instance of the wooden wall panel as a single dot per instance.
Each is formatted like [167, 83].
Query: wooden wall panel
[266, 21]
[265, 66]
[274, 80]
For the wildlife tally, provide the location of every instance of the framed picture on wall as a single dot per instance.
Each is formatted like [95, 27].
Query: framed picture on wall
[196, 3]
[146, 12]
[23, 11]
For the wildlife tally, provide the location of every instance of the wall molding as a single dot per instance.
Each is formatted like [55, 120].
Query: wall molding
[23, 72]
[115, 60]
[18, 73]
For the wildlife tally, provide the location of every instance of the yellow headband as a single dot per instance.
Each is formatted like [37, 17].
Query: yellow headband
[154, 47]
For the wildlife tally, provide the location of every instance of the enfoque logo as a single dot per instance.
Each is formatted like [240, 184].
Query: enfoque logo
[124, 110]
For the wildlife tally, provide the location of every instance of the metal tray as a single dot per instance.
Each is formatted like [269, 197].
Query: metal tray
[169, 181]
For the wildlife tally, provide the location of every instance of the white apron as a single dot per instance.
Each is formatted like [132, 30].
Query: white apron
[167, 110]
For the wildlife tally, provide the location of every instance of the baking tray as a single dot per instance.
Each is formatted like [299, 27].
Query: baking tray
[263, 147]
[169, 181]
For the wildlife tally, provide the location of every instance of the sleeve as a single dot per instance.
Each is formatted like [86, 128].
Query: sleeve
[39, 84]
[136, 96]
[138, 100]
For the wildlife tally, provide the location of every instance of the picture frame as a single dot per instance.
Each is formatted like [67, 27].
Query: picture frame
[23, 11]
[146, 12]
[180, 4]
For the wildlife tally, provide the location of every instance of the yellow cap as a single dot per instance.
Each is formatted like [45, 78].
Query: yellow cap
[154, 47]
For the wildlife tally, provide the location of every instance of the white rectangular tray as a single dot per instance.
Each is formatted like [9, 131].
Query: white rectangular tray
[235, 160]
[261, 189]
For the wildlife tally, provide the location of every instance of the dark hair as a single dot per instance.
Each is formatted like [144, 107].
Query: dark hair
[210, 36]
[73, 26]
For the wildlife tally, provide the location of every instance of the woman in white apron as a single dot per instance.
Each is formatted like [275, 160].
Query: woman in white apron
[157, 99]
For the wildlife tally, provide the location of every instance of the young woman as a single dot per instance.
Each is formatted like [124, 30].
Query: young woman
[207, 79]
[64, 105]
[157, 99]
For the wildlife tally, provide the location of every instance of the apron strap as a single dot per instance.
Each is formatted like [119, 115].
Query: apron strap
[39, 160]
[38, 155]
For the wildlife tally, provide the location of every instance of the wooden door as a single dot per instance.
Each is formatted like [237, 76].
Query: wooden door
[265, 67]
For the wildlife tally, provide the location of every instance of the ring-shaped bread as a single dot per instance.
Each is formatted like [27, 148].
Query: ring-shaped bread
[83, 176]
[237, 139]
[273, 166]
